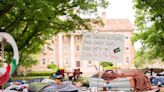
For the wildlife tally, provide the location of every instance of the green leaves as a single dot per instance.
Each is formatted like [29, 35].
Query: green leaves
[53, 67]
[106, 64]
[31, 22]
[150, 27]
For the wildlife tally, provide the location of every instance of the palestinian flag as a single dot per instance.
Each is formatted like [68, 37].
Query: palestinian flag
[116, 50]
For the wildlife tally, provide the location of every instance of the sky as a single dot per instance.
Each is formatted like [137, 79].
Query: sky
[121, 9]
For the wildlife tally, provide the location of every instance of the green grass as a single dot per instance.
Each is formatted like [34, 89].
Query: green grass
[28, 77]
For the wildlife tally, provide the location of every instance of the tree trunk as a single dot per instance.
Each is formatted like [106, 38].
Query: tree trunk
[6, 9]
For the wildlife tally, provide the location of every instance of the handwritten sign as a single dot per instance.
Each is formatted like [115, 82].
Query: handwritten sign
[102, 47]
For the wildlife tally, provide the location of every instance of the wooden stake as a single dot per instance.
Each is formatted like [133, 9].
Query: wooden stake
[98, 77]
[116, 66]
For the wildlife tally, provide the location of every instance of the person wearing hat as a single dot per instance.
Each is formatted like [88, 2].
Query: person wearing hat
[58, 77]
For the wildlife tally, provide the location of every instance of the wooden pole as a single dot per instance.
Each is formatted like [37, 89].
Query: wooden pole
[98, 77]
[116, 66]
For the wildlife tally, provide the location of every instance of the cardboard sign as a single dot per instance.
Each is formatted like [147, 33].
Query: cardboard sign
[102, 47]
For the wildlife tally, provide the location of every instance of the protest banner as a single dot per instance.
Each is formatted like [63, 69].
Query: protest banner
[102, 47]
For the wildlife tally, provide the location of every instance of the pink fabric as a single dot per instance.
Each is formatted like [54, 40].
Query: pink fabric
[5, 77]
[141, 82]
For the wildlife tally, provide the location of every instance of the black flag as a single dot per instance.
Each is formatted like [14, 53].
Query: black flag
[116, 50]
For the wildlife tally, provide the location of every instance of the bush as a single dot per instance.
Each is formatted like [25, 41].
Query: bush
[46, 73]
[53, 67]
[26, 78]
[105, 64]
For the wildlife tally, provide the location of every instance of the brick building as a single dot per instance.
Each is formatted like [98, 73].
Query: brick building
[64, 49]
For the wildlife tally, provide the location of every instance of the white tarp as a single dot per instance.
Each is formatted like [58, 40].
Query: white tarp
[102, 47]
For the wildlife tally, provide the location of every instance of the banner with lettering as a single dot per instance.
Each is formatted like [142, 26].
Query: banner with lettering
[102, 47]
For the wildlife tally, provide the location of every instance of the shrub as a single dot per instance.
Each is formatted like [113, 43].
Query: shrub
[53, 67]
[45, 73]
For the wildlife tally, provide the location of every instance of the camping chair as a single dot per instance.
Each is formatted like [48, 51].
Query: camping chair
[76, 74]
[58, 72]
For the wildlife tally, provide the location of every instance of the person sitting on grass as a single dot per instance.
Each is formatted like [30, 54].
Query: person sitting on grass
[58, 78]
[139, 81]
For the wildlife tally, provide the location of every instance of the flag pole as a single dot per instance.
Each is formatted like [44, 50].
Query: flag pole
[98, 74]
[98, 77]
[116, 66]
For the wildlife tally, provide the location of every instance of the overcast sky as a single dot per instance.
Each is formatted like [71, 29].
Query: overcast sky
[120, 9]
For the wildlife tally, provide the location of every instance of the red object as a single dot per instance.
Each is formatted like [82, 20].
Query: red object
[62, 72]
[5, 77]
[116, 50]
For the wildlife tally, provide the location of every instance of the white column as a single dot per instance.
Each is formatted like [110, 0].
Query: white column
[60, 50]
[72, 62]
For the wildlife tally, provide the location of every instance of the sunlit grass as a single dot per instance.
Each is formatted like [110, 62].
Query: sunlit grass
[28, 77]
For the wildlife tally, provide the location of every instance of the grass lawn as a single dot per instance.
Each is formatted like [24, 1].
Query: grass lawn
[28, 77]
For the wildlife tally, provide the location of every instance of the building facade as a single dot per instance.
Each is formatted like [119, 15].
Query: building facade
[64, 49]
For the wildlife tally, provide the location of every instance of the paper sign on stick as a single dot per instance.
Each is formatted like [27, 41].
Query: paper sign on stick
[102, 47]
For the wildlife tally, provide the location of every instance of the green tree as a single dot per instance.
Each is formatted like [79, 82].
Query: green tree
[150, 27]
[31, 22]
[29, 61]
[139, 59]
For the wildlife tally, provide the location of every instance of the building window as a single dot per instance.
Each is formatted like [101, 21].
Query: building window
[126, 37]
[78, 37]
[65, 48]
[66, 63]
[52, 62]
[52, 39]
[77, 48]
[43, 61]
[52, 53]
[90, 63]
[127, 59]
[52, 57]
[127, 48]
[50, 48]
[77, 63]
[44, 53]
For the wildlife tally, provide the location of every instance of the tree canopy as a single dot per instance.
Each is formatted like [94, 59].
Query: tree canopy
[31, 22]
[150, 28]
